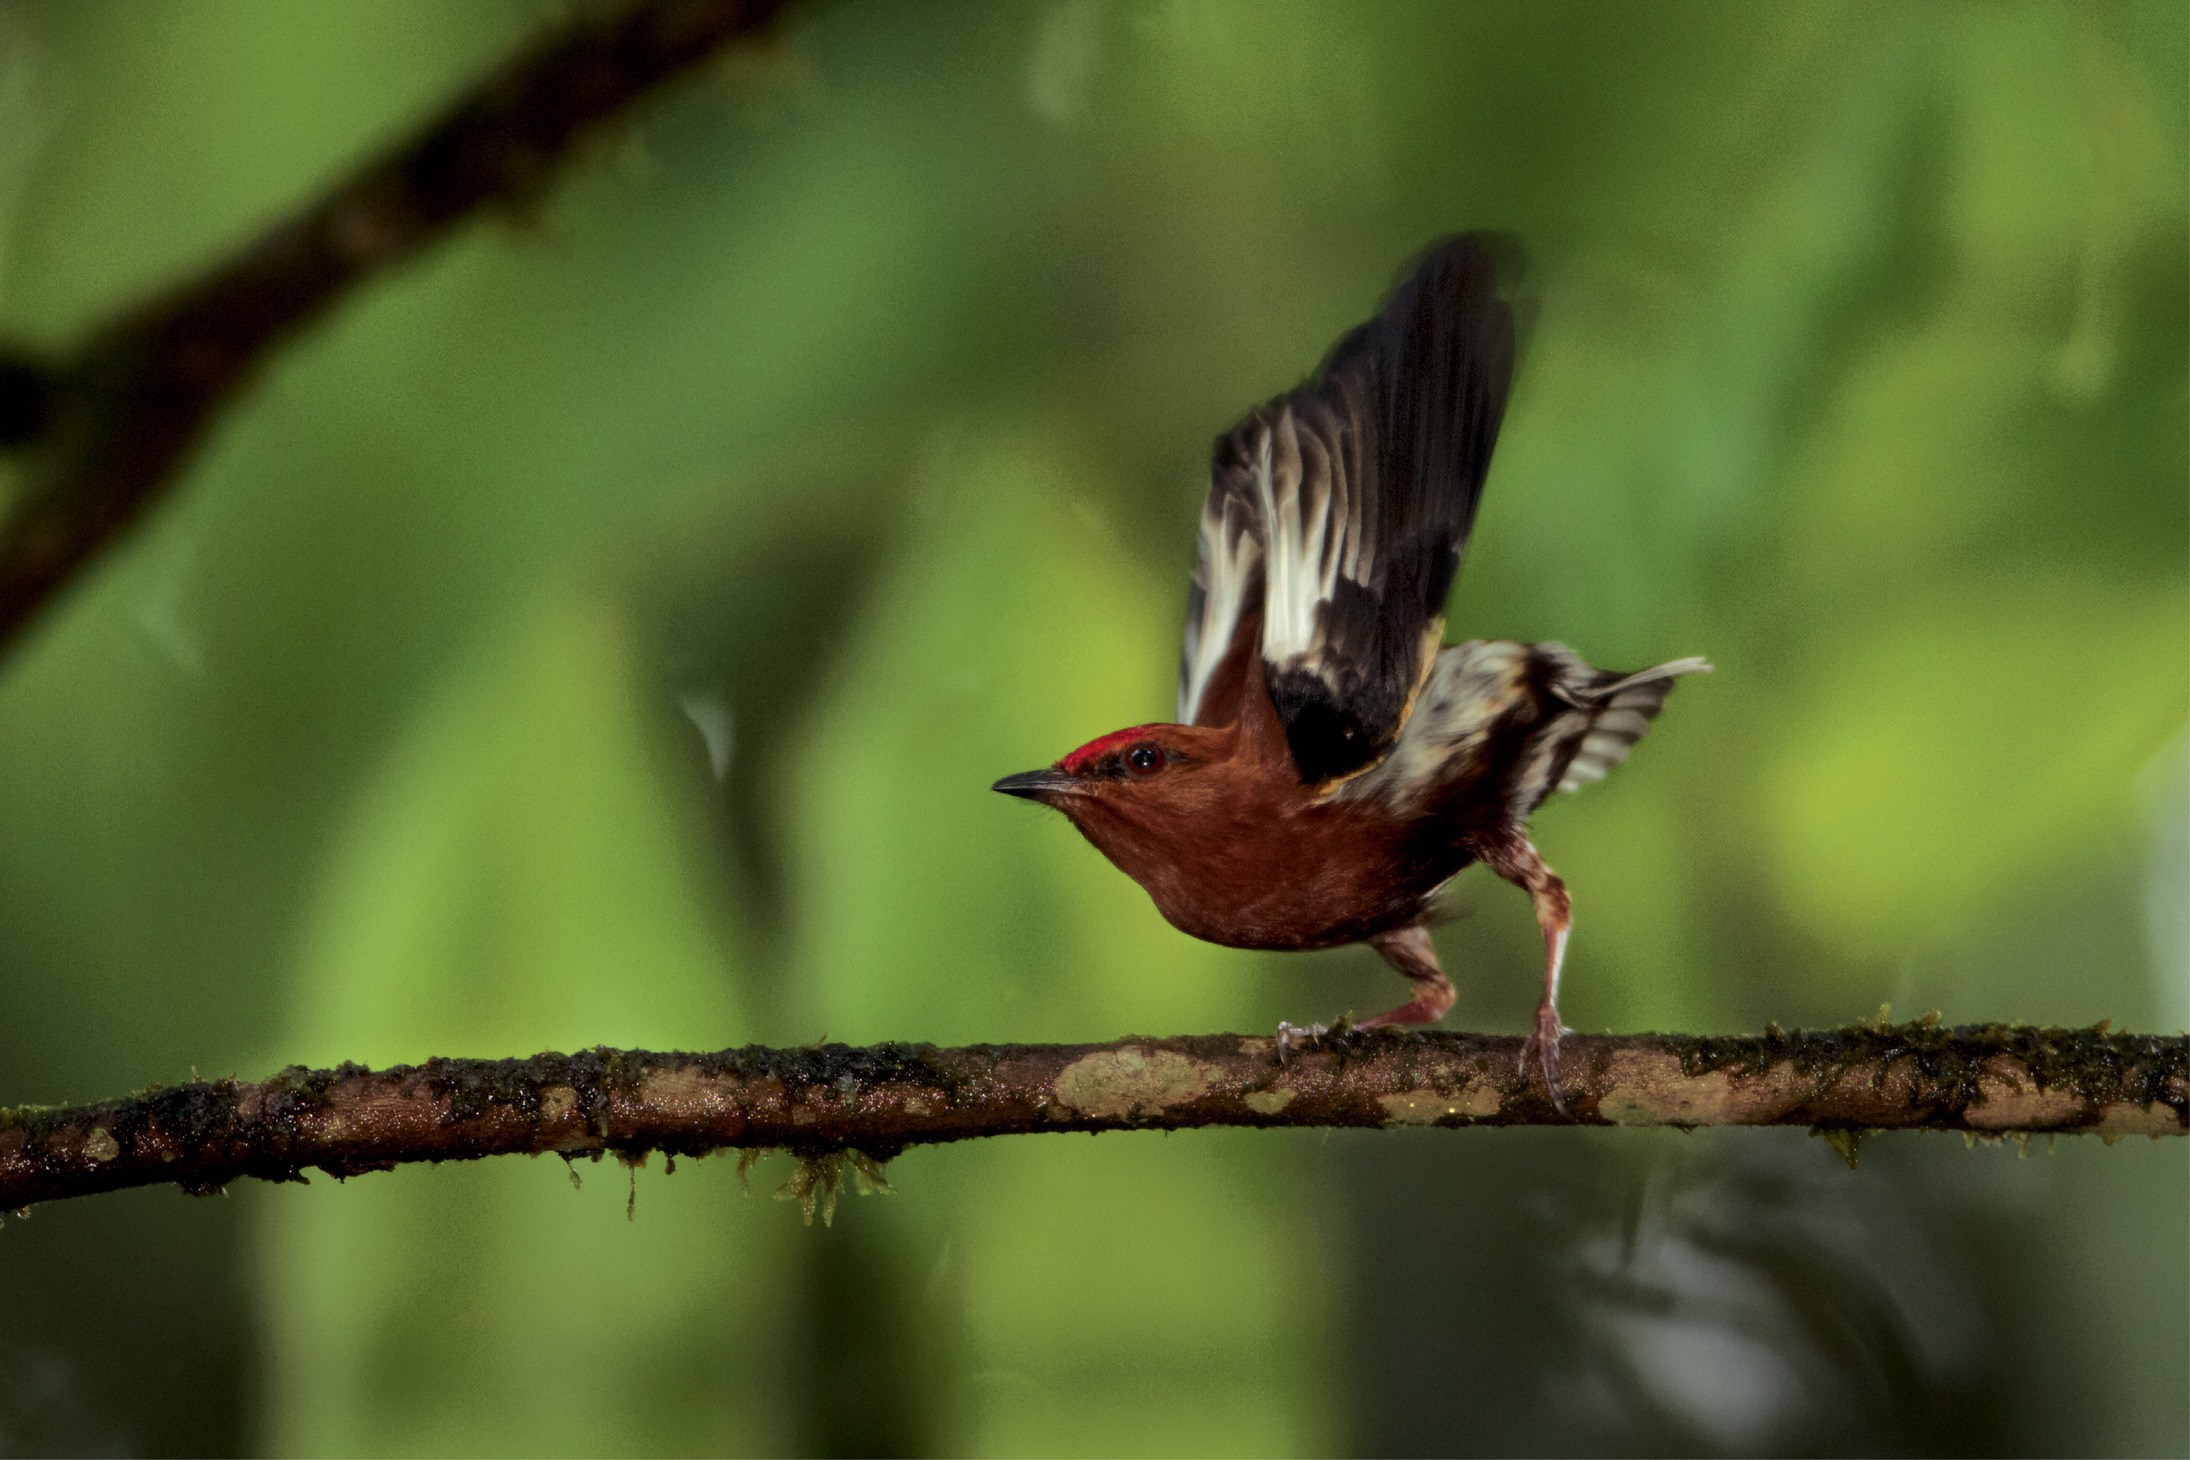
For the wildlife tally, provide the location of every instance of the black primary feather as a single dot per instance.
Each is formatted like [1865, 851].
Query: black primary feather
[1341, 511]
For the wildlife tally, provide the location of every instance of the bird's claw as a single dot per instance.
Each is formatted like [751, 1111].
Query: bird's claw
[1542, 1048]
[1304, 1033]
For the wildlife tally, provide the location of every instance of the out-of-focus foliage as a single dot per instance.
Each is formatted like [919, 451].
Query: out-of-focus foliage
[605, 631]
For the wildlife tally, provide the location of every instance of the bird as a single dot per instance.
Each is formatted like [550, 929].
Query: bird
[1334, 763]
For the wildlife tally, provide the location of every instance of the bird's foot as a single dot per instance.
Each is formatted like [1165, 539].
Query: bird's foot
[1289, 1035]
[1542, 1050]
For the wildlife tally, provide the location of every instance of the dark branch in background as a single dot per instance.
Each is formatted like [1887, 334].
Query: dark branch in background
[826, 1103]
[111, 429]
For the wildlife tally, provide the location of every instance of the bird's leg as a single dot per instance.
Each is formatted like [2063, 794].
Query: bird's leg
[1409, 950]
[1515, 859]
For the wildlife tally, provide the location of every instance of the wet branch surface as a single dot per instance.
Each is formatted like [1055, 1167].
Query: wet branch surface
[108, 430]
[826, 1102]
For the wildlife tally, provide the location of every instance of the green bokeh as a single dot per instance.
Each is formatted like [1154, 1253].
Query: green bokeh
[851, 408]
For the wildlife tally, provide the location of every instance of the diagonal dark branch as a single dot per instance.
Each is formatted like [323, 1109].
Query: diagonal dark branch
[110, 430]
[1991, 1080]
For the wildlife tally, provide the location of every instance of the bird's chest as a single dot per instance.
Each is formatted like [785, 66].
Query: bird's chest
[1313, 878]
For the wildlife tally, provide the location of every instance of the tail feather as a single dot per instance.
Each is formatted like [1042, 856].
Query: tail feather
[1672, 669]
[1620, 708]
[1531, 718]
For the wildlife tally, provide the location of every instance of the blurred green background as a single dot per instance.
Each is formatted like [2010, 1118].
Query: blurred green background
[605, 631]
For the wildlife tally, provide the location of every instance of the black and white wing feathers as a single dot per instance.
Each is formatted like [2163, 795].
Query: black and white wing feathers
[1505, 723]
[1337, 516]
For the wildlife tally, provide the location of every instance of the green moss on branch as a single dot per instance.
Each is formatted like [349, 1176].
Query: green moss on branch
[1986, 1080]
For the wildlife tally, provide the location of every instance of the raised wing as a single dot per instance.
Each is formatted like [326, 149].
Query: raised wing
[1337, 516]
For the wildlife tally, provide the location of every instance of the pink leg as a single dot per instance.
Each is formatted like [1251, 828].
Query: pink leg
[1409, 950]
[1514, 859]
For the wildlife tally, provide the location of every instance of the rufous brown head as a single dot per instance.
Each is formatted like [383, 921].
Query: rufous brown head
[1136, 793]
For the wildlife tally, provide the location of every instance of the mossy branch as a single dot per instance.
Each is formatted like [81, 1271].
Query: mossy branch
[1991, 1081]
[108, 429]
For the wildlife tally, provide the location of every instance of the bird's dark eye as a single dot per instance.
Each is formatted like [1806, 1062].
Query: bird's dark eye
[1144, 760]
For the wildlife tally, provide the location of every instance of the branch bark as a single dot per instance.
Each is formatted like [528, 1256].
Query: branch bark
[820, 1103]
[110, 430]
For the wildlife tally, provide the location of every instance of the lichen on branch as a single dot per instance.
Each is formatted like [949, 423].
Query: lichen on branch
[1990, 1080]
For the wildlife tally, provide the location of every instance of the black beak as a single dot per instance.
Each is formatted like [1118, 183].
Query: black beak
[1034, 785]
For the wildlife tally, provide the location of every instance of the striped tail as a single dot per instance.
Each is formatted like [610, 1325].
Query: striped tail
[1620, 708]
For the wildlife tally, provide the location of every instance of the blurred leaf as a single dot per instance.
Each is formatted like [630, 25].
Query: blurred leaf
[1011, 630]
[520, 876]
[1898, 817]
[1106, 1297]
